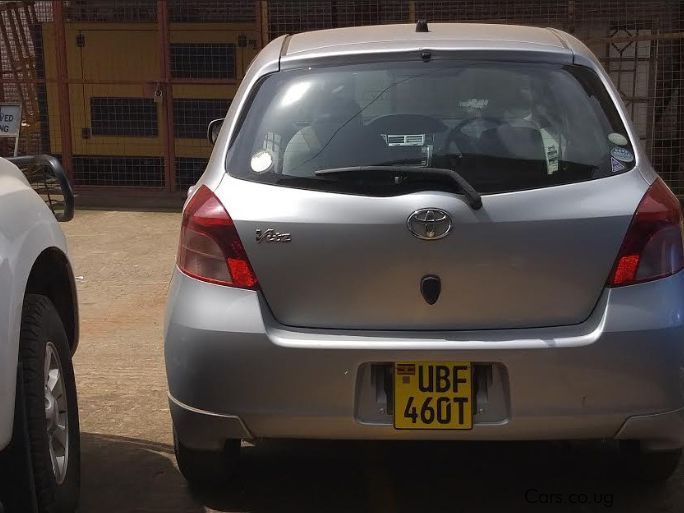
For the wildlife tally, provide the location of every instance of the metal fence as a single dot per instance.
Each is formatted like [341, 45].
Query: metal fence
[122, 90]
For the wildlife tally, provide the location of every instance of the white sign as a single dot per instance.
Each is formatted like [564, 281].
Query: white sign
[10, 119]
[10, 122]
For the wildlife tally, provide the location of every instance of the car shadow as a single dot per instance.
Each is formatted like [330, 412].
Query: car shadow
[317, 476]
[127, 475]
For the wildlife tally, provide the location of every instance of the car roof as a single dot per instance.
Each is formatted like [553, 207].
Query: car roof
[404, 37]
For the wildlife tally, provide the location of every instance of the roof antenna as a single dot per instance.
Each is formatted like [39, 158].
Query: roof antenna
[422, 26]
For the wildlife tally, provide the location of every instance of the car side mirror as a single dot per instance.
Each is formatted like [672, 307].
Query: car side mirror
[213, 130]
[47, 177]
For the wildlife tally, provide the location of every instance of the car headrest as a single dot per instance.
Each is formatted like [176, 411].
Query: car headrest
[337, 110]
[511, 142]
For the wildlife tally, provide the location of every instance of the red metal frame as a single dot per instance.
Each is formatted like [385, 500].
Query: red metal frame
[167, 95]
[63, 88]
[261, 7]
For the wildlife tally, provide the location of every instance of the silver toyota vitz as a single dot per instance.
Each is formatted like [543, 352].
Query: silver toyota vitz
[427, 232]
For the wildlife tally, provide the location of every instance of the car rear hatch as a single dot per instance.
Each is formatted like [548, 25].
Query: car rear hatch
[543, 142]
[529, 258]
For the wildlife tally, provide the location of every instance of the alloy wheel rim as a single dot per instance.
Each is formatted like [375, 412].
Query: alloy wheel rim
[56, 413]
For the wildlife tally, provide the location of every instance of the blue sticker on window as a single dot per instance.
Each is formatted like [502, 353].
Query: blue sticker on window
[616, 166]
[622, 154]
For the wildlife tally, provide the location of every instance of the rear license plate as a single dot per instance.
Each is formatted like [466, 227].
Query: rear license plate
[433, 395]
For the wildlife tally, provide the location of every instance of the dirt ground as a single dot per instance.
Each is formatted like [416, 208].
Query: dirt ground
[123, 262]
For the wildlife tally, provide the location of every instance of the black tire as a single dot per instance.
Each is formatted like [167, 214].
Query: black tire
[649, 466]
[207, 468]
[41, 324]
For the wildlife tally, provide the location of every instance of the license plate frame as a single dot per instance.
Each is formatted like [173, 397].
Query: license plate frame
[441, 392]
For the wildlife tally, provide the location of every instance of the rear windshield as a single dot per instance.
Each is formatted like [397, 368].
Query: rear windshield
[502, 126]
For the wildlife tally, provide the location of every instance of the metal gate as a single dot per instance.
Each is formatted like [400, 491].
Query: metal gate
[122, 90]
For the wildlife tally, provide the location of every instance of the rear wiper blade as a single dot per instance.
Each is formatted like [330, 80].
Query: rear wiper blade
[473, 197]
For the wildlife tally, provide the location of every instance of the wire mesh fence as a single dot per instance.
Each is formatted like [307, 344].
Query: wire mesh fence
[111, 11]
[129, 101]
[22, 71]
[137, 93]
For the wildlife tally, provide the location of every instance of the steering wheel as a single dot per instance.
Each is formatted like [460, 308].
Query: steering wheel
[458, 129]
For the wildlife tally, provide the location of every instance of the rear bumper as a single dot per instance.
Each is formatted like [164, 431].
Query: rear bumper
[660, 431]
[234, 372]
[207, 430]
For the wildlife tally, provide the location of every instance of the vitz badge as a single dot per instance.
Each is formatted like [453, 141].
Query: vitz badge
[270, 235]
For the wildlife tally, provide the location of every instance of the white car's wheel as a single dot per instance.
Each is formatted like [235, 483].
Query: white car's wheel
[51, 406]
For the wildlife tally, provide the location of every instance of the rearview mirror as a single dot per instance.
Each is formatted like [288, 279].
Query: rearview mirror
[46, 176]
[213, 130]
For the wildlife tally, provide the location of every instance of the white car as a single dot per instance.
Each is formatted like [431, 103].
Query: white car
[39, 432]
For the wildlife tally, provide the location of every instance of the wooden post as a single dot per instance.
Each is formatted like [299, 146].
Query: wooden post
[572, 12]
[63, 87]
[169, 140]
[680, 102]
[262, 22]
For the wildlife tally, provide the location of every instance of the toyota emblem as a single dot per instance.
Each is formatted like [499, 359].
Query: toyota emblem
[429, 223]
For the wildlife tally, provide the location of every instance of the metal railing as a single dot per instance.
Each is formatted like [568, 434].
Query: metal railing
[47, 177]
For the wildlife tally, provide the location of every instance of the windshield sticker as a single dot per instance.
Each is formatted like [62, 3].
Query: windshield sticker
[618, 139]
[616, 166]
[261, 161]
[551, 148]
[622, 154]
[474, 103]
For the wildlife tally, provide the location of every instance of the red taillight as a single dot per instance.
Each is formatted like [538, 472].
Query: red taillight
[210, 248]
[652, 248]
